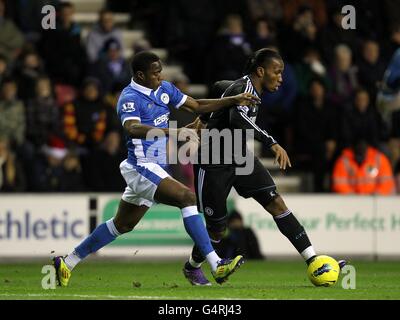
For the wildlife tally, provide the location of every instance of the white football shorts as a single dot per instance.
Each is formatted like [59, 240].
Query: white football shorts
[142, 182]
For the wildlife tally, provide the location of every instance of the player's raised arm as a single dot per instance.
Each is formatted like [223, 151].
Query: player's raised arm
[201, 106]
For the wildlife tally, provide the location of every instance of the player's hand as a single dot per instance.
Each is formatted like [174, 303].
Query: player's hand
[246, 99]
[281, 156]
[196, 125]
[187, 134]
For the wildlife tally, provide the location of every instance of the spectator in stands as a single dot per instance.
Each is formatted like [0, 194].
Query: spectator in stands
[12, 178]
[264, 35]
[302, 34]
[240, 239]
[12, 113]
[85, 119]
[392, 43]
[28, 16]
[103, 31]
[11, 39]
[292, 7]
[333, 35]
[343, 75]
[231, 50]
[27, 74]
[370, 19]
[57, 169]
[74, 181]
[112, 69]
[315, 135]
[362, 120]
[362, 169]
[105, 160]
[265, 9]
[389, 104]
[110, 102]
[4, 67]
[62, 50]
[309, 68]
[370, 67]
[42, 114]
[189, 30]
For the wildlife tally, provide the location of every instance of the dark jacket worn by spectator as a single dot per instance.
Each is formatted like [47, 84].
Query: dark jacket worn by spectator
[43, 116]
[12, 176]
[112, 69]
[85, 120]
[62, 51]
[102, 167]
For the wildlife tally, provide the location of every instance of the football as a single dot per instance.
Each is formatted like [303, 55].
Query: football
[323, 271]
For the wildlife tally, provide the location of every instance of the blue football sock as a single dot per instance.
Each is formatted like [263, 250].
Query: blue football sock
[100, 237]
[196, 229]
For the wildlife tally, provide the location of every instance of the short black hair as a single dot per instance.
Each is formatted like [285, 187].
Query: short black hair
[259, 58]
[142, 61]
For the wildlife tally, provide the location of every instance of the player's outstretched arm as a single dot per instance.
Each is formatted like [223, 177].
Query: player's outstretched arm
[201, 106]
[137, 130]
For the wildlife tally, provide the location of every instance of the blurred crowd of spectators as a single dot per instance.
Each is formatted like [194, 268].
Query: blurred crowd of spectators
[58, 126]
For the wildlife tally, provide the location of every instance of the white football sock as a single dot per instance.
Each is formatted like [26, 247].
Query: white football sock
[72, 260]
[213, 259]
[308, 253]
[194, 264]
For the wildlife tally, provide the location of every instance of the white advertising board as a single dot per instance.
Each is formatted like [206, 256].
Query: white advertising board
[37, 225]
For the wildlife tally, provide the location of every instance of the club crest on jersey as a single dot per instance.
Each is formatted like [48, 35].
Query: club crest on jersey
[128, 107]
[161, 119]
[208, 211]
[165, 98]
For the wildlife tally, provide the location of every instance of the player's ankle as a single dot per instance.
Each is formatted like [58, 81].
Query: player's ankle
[308, 261]
[188, 266]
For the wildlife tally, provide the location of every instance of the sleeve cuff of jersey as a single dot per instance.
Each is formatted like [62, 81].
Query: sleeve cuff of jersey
[130, 118]
[183, 100]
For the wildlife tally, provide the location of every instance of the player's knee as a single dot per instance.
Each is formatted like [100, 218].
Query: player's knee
[186, 198]
[276, 206]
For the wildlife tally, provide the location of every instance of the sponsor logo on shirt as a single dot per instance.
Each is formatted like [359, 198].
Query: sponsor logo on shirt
[161, 119]
[128, 107]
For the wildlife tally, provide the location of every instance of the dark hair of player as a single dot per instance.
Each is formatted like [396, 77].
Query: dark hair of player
[142, 61]
[260, 58]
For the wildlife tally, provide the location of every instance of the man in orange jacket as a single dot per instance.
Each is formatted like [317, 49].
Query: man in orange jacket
[363, 169]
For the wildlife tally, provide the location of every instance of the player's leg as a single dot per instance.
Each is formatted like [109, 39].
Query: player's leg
[213, 205]
[260, 186]
[133, 205]
[287, 223]
[174, 193]
[127, 217]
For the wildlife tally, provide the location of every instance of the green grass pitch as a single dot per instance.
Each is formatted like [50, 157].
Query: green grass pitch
[98, 279]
